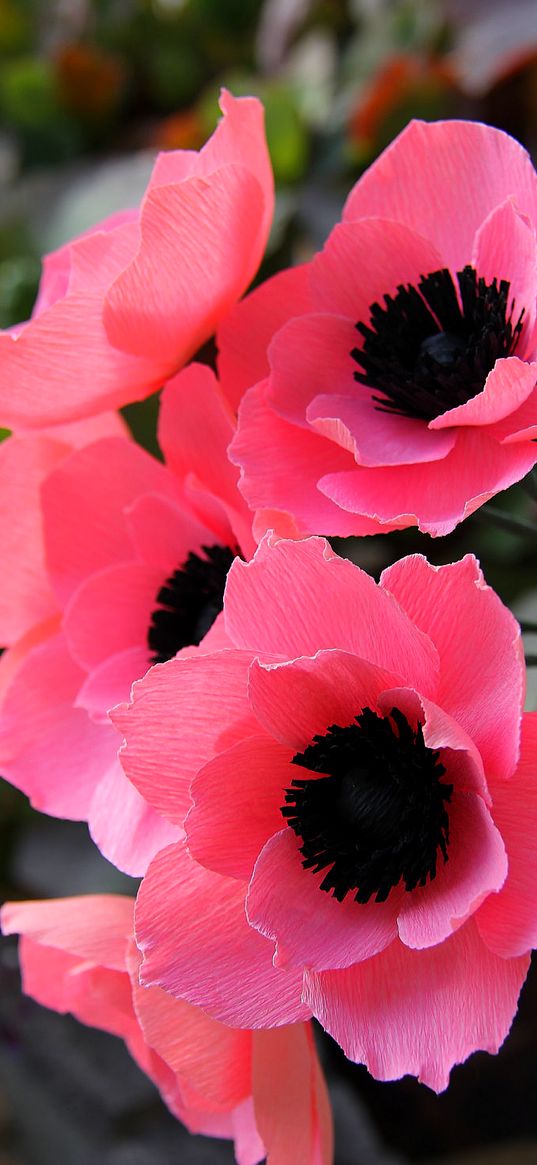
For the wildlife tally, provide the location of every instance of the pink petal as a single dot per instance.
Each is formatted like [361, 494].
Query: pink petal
[111, 612]
[296, 598]
[281, 465]
[212, 1062]
[226, 833]
[246, 331]
[84, 502]
[432, 170]
[506, 388]
[435, 496]
[294, 701]
[124, 827]
[67, 346]
[201, 245]
[95, 927]
[287, 1110]
[195, 417]
[182, 714]
[110, 682]
[420, 1012]
[196, 943]
[505, 248]
[164, 532]
[79, 433]
[508, 921]
[374, 437]
[476, 866]
[481, 665]
[520, 425]
[26, 597]
[50, 749]
[239, 137]
[311, 929]
[310, 356]
[363, 261]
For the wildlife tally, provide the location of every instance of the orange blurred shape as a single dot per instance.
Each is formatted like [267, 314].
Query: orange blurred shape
[90, 82]
[180, 131]
[399, 78]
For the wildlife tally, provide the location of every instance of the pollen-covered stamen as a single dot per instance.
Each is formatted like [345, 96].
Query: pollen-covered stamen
[377, 816]
[429, 349]
[188, 602]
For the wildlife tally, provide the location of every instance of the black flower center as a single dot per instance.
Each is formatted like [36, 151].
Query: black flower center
[377, 816]
[429, 349]
[188, 602]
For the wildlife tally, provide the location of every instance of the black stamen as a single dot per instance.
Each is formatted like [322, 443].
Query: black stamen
[427, 350]
[188, 602]
[377, 815]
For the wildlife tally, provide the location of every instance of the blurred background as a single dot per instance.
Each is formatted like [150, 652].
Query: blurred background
[89, 91]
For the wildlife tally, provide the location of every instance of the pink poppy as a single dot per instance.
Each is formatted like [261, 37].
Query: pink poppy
[265, 1090]
[114, 561]
[124, 306]
[375, 836]
[400, 384]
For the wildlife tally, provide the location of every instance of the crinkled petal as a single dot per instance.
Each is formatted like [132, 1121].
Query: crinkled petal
[196, 942]
[420, 1012]
[482, 680]
[310, 927]
[506, 389]
[95, 927]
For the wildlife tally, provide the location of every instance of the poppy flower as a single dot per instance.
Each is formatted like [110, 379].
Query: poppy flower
[358, 786]
[264, 1090]
[124, 563]
[400, 388]
[124, 306]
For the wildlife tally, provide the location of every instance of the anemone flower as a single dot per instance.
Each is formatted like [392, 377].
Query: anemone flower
[114, 561]
[358, 787]
[124, 306]
[400, 385]
[264, 1090]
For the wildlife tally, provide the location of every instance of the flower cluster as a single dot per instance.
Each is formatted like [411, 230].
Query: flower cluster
[327, 784]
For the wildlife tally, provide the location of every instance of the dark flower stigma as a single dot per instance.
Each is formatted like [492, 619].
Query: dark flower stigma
[188, 602]
[429, 348]
[377, 816]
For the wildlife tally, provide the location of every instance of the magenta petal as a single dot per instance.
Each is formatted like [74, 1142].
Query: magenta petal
[432, 170]
[363, 261]
[295, 700]
[508, 921]
[296, 598]
[420, 1012]
[476, 866]
[437, 495]
[84, 503]
[481, 667]
[196, 942]
[246, 331]
[182, 713]
[124, 827]
[226, 833]
[311, 929]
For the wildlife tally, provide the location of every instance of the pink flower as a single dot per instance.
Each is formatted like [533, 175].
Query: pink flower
[265, 1090]
[112, 561]
[400, 387]
[360, 809]
[124, 306]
